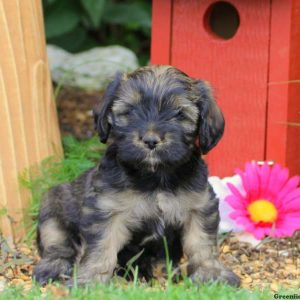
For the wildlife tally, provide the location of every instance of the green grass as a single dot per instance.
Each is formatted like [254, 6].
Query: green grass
[183, 291]
[79, 156]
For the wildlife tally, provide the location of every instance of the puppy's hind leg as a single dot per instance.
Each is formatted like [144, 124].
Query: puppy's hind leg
[57, 252]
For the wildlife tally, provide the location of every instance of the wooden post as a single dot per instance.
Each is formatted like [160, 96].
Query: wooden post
[29, 129]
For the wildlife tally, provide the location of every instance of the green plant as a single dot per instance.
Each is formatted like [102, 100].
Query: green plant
[79, 156]
[140, 291]
[77, 25]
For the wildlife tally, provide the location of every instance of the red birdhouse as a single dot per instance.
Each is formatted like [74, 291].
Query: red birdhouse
[250, 52]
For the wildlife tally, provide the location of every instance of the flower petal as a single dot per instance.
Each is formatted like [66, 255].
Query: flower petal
[289, 224]
[264, 172]
[292, 205]
[278, 177]
[292, 214]
[292, 195]
[253, 177]
[287, 188]
[249, 226]
[237, 194]
[237, 214]
[260, 232]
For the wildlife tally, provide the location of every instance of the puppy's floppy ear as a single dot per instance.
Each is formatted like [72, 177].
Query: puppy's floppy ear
[212, 124]
[102, 111]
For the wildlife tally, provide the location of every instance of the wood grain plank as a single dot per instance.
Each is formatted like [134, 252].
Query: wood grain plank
[29, 119]
[5, 223]
[293, 133]
[283, 142]
[10, 199]
[161, 31]
[279, 73]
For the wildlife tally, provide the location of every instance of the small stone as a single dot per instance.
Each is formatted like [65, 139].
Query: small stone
[9, 273]
[27, 286]
[274, 287]
[243, 258]
[25, 250]
[289, 261]
[80, 116]
[247, 269]
[255, 276]
[24, 277]
[234, 239]
[92, 69]
[291, 277]
[226, 249]
[17, 281]
[257, 263]
[2, 284]
[290, 267]
[283, 253]
[247, 279]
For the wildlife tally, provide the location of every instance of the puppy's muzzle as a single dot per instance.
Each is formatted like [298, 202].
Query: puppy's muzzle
[151, 140]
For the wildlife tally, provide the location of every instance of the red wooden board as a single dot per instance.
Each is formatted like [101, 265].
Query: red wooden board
[283, 137]
[161, 31]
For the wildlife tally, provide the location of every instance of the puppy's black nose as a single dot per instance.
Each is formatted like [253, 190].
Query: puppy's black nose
[151, 140]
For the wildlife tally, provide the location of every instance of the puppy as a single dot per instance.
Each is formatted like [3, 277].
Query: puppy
[150, 183]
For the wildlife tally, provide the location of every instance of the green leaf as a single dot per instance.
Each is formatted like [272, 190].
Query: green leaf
[94, 9]
[70, 41]
[130, 14]
[61, 17]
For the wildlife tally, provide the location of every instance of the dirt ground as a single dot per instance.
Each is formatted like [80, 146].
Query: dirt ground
[75, 112]
[272, 264]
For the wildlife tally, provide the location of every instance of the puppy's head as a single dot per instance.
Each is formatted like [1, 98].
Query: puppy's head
[156, 115]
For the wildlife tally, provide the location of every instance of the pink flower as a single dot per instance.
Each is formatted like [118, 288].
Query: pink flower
[270, 202]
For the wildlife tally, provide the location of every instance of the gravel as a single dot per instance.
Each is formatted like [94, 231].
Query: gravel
[271, 264]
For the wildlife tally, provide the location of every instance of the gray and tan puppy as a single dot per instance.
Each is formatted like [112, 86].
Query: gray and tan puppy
[151, 183]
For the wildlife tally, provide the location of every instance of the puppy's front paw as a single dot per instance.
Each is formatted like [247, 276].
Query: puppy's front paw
[48, 269]
[219, 274]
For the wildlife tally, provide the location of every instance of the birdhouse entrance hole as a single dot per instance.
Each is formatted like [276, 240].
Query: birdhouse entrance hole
[222, 20]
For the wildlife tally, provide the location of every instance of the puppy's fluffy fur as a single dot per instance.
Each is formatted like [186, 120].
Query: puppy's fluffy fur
[151, 183]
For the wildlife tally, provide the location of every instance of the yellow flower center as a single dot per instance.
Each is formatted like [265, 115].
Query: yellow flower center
[262, 211]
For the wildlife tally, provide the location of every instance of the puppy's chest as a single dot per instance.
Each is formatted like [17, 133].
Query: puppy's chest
[160, 214]
[172, 209]
[169, 208]
[135, 207]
